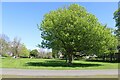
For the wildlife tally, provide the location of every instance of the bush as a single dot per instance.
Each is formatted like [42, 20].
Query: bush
[5, 55]
[34, 53]
[24, 55]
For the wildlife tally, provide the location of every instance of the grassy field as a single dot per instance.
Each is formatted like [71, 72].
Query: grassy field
[54, 64]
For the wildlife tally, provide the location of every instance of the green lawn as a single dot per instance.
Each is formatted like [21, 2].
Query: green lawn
[52, 64]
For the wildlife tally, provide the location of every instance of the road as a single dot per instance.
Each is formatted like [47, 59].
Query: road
[25, 72]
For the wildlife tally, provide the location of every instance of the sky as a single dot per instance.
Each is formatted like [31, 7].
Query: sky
[20, 19]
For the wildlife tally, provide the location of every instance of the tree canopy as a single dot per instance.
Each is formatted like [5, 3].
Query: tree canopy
[34, 53]
[4, 44]
[24, 52]
[73, 29]
[117, 19]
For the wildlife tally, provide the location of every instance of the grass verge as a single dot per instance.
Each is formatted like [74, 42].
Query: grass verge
[54, 64]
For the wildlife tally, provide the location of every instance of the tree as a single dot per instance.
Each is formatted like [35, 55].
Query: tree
[117, 32]
[72, 29]
[34, 53]
[23, 51]
[117, 19]
[15, 46]
[55, 53]
[4, 44]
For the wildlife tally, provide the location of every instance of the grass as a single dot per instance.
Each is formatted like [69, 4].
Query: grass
[54, 64]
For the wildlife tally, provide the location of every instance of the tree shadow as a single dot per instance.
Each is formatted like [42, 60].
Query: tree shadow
[107, 61]
[60, 64]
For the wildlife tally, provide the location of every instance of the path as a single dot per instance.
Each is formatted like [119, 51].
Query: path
[26, 72]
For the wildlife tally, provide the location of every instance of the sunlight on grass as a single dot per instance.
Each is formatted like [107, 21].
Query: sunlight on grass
[52, 64]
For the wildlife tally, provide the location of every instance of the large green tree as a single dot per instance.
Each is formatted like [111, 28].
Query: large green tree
[73, 29]
[117, 19]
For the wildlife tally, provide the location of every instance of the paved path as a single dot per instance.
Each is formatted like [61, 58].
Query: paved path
[26, 72]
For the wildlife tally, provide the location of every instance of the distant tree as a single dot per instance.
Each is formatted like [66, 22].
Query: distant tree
[23, 51]
[73, 29]
[15, 46]
[4, 44]
[49, 55]
[34, 53]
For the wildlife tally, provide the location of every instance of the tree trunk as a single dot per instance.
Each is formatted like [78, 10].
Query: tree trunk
[17, 55]
[114, 56]
[70, 58]
[103, 57]
[111, 57]
[69, 54]
[66, 58]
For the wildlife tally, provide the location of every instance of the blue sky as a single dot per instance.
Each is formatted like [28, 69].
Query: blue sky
[21, 19]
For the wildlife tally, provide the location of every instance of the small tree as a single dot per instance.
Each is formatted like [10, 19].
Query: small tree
[34, 53]
[4, 45]
[15, 46]
[24, 52]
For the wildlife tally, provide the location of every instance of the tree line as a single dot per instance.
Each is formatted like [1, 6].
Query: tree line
[12, 48]
[17, 49]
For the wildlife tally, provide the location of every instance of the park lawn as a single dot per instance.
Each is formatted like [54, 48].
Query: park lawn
[54, 64]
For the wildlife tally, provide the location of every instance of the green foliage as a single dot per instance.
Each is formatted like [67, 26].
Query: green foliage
[24, 52]
[55, 53]
[34, 53]
[12, 47]
[5, 55]
[73, 29]
[117, 19]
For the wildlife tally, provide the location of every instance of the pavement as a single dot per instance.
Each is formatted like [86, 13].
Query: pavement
[28, 72]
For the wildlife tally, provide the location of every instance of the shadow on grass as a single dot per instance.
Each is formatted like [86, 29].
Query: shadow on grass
[60, 64]
[107, 61]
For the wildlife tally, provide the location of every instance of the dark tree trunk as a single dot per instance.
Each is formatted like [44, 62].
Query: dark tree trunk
[111, 56]
[104, 57]
[69, 54]
[114, 56]
[70, 58]
[66, 58]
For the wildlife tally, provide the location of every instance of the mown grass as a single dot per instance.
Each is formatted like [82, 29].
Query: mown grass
[54, 64]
